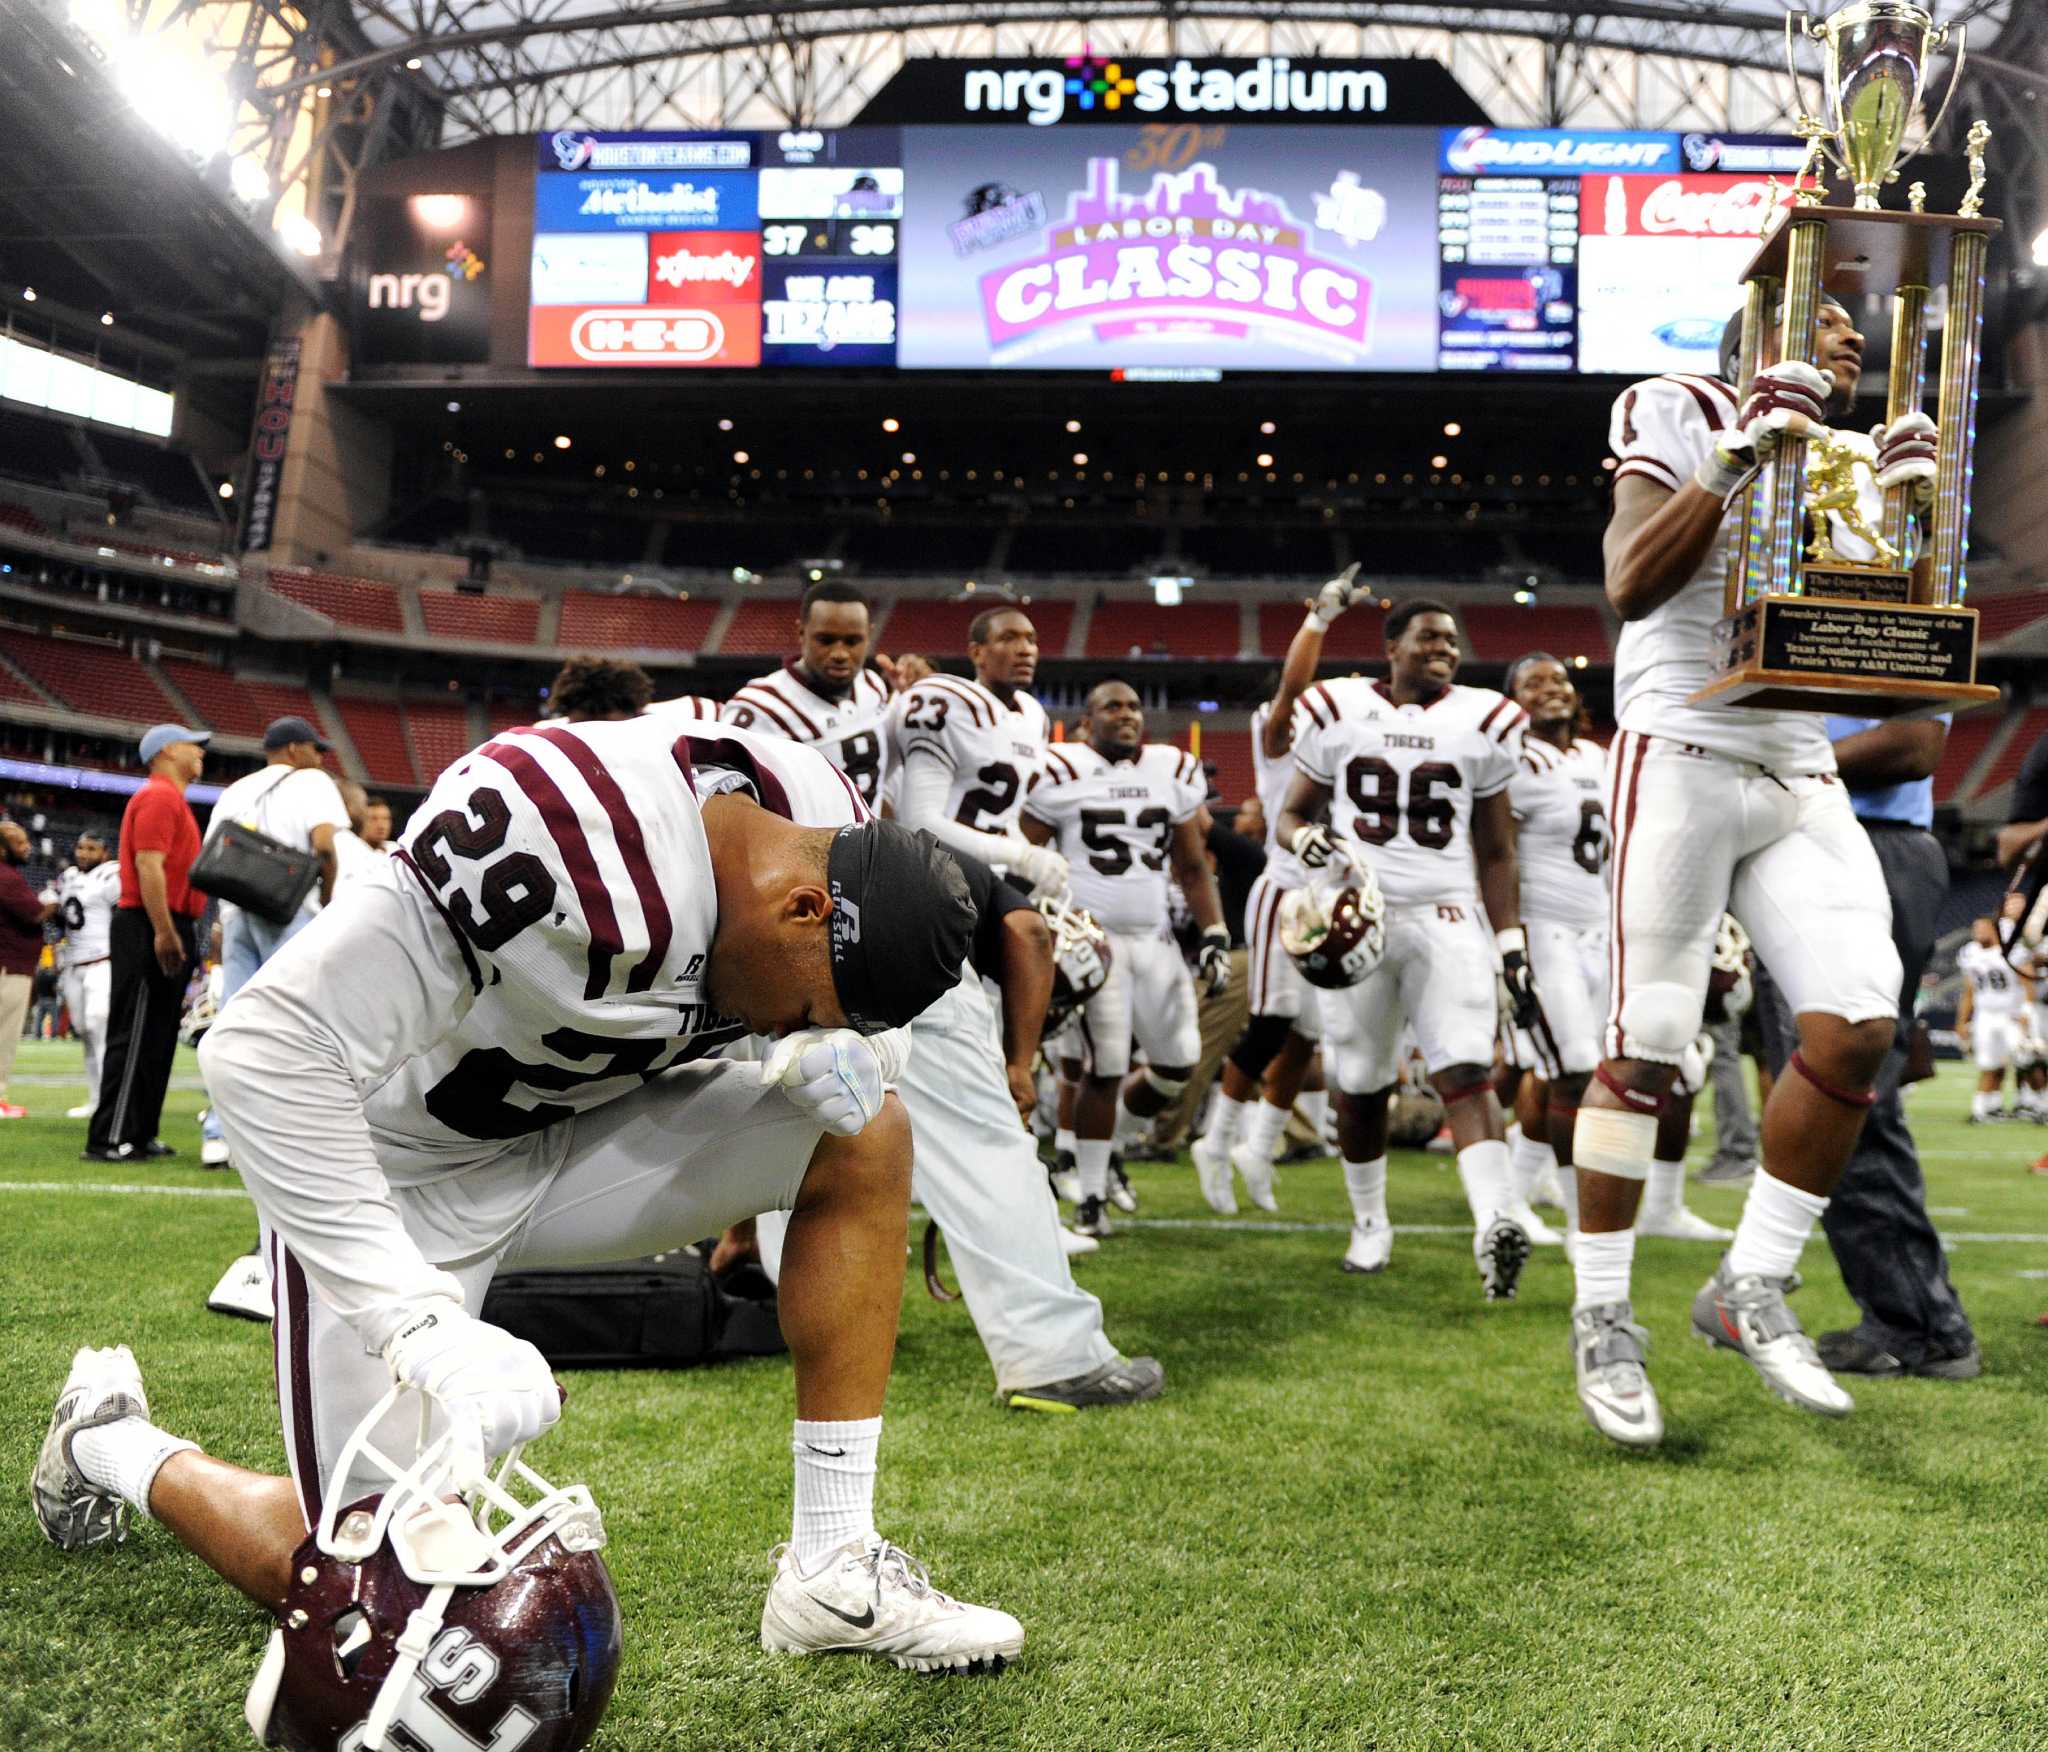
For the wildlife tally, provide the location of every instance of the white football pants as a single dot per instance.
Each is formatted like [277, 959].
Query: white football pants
[86, 993]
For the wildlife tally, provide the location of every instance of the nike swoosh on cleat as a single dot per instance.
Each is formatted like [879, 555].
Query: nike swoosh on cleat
[1728, 1326]
[864, 1622]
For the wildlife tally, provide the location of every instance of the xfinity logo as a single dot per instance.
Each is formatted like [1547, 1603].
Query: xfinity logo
[1476, 151]
[1271, 85]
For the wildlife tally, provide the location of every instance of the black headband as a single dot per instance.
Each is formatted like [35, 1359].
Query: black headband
[901, 923]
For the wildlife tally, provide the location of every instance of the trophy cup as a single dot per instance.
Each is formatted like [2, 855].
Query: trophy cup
[1806, 629]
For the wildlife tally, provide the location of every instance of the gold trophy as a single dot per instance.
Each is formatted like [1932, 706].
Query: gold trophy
[1805, 629]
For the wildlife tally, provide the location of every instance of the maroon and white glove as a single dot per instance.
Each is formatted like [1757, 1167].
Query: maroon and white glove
[1906, 452]
[1790, 396]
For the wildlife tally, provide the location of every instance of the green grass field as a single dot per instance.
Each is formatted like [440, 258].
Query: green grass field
[1368, 1512]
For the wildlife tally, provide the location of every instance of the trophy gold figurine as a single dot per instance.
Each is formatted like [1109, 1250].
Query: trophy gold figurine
[1807, 629]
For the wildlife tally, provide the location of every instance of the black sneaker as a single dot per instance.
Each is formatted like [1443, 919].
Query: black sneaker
[156, 1149]
[1120, 1193]
[1850, 1353]
[1091, 1219]
[112, 1153]
[1120, 1381]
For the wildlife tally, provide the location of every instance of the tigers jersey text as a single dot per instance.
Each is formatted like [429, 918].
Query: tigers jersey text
[1113, 821]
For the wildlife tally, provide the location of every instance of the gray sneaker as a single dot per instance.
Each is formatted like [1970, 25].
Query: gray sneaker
[1728, 1171]
[1607, 1359]
[1501, 1250]
[103, 1387]
[1750, 1315]
[1120, 1381]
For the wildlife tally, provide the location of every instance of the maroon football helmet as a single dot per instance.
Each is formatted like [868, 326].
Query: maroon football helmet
[1333, 927]
[1080, 959]
[445, 1615]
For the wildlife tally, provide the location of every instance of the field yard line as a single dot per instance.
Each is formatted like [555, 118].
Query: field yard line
[40, 1080]
[108, 1186]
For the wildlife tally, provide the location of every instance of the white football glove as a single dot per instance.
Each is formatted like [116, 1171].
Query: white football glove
[1335, 597]
[1312, 844]
[1791, 396]
[833, 1074]
[1040, 868]
[498, 1389]
[1907, 450]
[1212, 961]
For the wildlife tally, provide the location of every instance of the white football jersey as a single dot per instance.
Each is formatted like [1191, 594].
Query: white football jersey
[1113, 821]
[1562, 837]
[996, 752]
[85, 907]
[1997, 987]
[1270, 778]
[687, 709]
[1662, 429]
[1403, 778]
[571, 862]
[852, 733]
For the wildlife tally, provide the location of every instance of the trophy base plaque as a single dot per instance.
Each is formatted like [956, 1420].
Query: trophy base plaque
[1862, 658]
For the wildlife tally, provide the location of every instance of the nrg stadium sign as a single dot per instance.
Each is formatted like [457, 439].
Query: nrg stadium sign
[1096, 88]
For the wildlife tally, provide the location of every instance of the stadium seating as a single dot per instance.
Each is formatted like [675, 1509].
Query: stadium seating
[510, 714]
[1968, 737]
[591, 622]
[494, 620]
[1195, 629]
[939, 629]
[2012, 753]
[440, 736]
[1231, 751]
[377, 728]
[353, 602]
[2000, 616]
[1358, 637]
[238, 705]
[1499, 633]
[22, 518]
[764, 625]
[12, 687]
[93, 678]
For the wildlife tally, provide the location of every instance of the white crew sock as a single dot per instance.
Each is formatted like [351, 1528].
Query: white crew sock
[1568, 1191]
[1091, 1157]
[1366, 1182]
[1776, 1220]
[1529, 1161]
[1063, 1140]
[1601, 1266]
[835, 1486]
[1483, 1167]
[1226, 1119]
[123, 1456]
[1663, 1189]
[1262, 1131]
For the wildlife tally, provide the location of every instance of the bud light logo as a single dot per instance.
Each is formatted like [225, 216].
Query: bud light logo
[1537, 152]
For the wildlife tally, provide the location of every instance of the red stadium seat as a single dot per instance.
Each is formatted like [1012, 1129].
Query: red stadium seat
[354, 602]
[939, 629]
[377, 728]
[22, 518]
[1968, 737]
[13, 688]
[1195, 629]
[93, 678]
[764, 626]
[591, 622]
[1231, 750]
[1359, 636]
[510, 714]
[495, 620]
[2000, 616]
[238, 705]
[1501, 632]
[2005, 765]
[440, 736]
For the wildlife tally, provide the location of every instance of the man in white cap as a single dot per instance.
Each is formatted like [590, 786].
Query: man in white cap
[152, 944]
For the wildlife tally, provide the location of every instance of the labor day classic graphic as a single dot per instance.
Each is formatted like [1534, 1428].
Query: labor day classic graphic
[1172, 243]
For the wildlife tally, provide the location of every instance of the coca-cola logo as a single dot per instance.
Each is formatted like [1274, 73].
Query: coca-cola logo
[1679, 206]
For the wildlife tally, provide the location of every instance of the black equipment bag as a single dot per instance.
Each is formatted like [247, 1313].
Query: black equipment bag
[664, 1312]
[257, 873]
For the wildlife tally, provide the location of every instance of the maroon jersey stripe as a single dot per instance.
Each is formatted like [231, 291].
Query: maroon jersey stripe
[692, 752]
[299, 1368]
[1708, 404]
[959, 690]
[632, 844]
[758, 699]
[559, 817]
[1486, 723]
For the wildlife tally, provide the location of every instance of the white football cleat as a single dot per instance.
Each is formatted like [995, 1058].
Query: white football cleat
[244, 1290]
[1212, 1173]
[1540, 1233]
[103, 1387]
[1256, 1167]
[1372, 1245]
[213, 1153]
[1750, 1315]
[1077, 1246]
[1121, 1192]
[84, 1110]
[1681, 1225]
[1607, 1361]
[877, 1600]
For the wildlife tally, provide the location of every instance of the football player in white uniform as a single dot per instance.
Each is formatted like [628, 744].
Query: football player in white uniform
[1992, 1017]
[1123, 812]
[498, 1050]
[826, 694]
[1718, 808]
[1265, 1069]
[1414, 772]
[86, 894]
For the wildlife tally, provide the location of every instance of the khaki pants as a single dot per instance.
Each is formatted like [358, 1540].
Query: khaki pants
[14, 994]
[1223, 1019]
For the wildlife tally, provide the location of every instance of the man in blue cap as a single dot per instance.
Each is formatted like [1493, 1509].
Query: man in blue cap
[152, 946]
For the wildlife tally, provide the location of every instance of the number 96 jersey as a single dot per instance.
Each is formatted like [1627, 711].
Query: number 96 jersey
[994, 750]
[1113, 821]
[1403, 778]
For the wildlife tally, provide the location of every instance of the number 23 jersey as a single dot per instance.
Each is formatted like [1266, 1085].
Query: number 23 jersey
[1403, 778]
[993, 750]
[1113, 821]
[1559, 799]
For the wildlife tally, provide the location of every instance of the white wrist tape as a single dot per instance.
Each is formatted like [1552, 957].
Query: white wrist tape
[1608, 1142]
[1314, 623]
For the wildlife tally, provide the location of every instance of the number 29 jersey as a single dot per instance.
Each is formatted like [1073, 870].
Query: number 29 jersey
[1403, 778]
[1562, 843]
[1113, 821]
[994, 750]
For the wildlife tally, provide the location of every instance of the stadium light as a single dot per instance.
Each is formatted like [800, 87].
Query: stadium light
[2041, 250]
[1080, 458]
[1578, 663]
[909, 456]
[740, 456]
[1452, 429]
[561, 441]
[227, 489]
[1439, 461]
[28, 295]
[414, 65]
[892, 424]
[725, 425]
[106, 319]
[248, 180]
[455, 407]
[1267, 428]
[1073, 425]
[1525, 598]
[1264, 459]
[301, 235]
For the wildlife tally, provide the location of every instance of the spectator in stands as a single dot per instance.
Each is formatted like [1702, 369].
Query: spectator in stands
[293, 800]
[1890, 1255]
[587, 688]
[152, 945]
[22, 913]
[376, 828]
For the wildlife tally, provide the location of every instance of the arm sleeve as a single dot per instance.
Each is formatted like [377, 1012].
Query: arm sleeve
[1661, 431]
[376, 979]
[927, 782]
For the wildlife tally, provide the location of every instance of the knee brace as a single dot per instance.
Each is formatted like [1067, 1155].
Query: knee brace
[1658, 1022]
[1167, 1081]
[1260, 1044]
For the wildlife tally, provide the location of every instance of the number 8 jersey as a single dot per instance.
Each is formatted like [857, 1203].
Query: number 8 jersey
[1113, 821]
[1403, 778]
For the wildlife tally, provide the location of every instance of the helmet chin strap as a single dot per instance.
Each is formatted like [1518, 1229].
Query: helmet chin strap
[412, 1646]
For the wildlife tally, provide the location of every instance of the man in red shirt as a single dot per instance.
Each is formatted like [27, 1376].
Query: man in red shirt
[153, 947]
[21, 947]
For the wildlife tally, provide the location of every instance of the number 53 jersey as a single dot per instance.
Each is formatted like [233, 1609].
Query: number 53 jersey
[1403, 778]
[1113, 821]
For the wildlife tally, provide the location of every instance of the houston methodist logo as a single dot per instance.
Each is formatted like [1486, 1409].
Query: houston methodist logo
[1270, 85]
[1187, 258]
